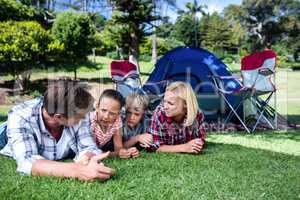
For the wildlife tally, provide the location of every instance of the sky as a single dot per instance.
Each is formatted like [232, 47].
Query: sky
[212, 5]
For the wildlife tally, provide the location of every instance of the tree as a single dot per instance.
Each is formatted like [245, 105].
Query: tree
[216, 33]
[137, 15]
[193, 9]
[232, 14]
[14, 10]
[184, 30]
[76, 32]
[263, 18]
[22, 47]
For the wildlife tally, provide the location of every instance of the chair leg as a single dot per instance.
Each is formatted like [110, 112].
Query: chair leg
[261, 113]
[236, 114]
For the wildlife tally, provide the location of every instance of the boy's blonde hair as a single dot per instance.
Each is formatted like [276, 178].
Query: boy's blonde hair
[138, 102]
[185, 92]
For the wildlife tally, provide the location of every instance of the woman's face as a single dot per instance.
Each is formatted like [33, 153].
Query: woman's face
[108, 111]
[174, 106]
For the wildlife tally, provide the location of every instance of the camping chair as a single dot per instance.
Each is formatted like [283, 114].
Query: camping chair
[126, 77]
[257, 71]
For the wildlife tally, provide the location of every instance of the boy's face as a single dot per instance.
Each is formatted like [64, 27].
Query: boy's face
[134, 116]
[108, 111]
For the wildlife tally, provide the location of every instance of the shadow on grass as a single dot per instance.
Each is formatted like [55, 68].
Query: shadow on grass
[294, 119]
[3, 118]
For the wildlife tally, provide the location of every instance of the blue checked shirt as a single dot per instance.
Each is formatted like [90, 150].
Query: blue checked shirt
[29, 140]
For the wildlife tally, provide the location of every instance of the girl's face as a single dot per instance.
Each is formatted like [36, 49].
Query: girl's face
[174, 106]
[108, 111]
[134, 116]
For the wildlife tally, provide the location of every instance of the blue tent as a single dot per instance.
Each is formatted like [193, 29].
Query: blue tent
[196, 66]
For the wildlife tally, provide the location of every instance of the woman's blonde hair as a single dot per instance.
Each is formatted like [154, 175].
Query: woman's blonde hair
[186, 93]
[137, 101]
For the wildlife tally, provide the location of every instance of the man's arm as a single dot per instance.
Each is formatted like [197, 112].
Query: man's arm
[92, 171]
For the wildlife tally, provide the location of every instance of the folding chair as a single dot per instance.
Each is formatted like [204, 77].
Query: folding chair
[126, 76]
[257, 70]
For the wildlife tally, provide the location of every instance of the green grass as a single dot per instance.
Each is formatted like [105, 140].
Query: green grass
[221, 172]
[276, 141]
[3, 112]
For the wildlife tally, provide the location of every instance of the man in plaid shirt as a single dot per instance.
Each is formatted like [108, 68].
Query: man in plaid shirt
[51, 128]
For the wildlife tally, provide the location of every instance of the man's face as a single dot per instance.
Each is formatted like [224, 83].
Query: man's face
[71, 121]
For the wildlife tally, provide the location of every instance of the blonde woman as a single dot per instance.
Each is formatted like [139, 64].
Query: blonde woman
[177, 124]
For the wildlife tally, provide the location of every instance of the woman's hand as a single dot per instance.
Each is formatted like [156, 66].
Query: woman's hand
[145, 140]
[194, 146]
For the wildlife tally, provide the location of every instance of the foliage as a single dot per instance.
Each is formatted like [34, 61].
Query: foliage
[184, 29]
[163, 45]
[264, 20]
[14, 10]
[23, 45]
[76, 32]
[134, 16]
[216, 33]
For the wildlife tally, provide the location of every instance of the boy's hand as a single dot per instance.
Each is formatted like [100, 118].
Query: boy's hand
[124, 153]
[145, 140]
[134, 152]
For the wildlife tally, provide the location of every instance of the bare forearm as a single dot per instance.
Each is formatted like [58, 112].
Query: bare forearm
[131, 142]
[54, 168]
[180, 148]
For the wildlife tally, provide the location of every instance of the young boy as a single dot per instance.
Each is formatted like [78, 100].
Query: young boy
[106, 125]
[136, 122]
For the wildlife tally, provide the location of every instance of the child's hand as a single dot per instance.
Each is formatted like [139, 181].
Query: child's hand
[85, 158]
[124, 153]
[145, 140]
[134, 152]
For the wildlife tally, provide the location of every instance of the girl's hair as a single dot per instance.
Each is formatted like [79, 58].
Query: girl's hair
[137, 101]
[112, 94]
[186, 93]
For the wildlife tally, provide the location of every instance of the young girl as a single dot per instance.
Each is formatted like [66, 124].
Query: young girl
[136, 122]
[176, 124]
[106, 125]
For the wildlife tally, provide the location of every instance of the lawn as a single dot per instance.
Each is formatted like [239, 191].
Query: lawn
[222, 171]
[234, 166]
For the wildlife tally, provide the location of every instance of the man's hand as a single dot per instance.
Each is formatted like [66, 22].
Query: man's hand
[95, 169]
[85, 158]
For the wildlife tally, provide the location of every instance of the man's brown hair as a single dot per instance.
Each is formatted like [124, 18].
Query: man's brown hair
[67, 97]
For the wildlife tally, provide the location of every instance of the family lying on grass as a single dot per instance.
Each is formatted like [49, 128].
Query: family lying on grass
[63, 124]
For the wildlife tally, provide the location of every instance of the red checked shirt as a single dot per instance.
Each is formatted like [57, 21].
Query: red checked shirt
[166, 131]
[101, 137]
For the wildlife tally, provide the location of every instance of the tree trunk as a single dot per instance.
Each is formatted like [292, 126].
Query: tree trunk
[134, 48]
[154, 48]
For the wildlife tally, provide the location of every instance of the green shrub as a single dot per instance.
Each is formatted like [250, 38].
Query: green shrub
[112, 55]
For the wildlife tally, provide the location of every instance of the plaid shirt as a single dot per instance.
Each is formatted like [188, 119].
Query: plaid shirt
[101, 137]
[167, 132]
[141, 128]
[29, 140]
